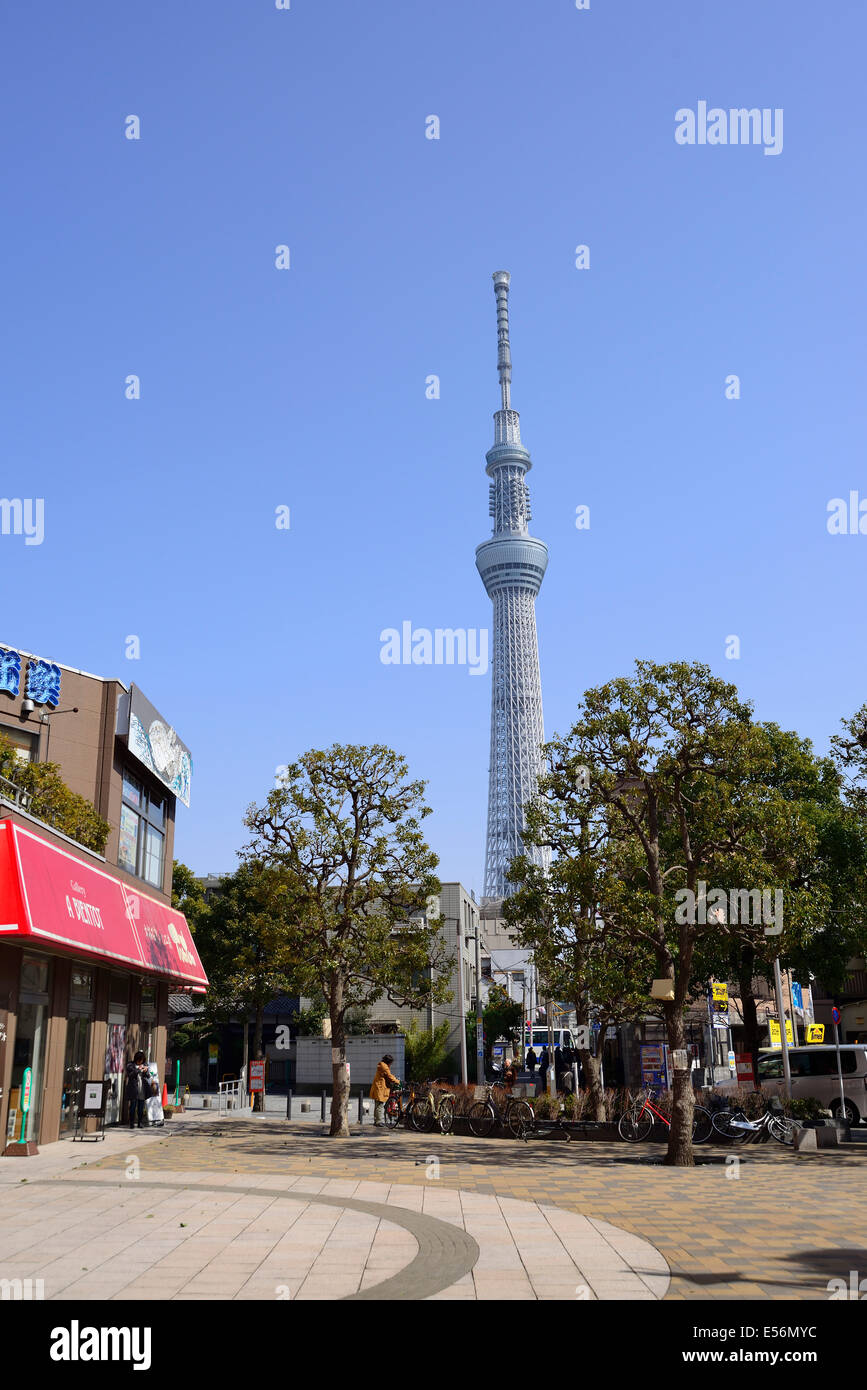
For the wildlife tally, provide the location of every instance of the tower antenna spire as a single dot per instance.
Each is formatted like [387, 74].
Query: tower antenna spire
[504, 352]
[512, 566]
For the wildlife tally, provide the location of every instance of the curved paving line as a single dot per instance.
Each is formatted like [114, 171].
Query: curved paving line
[445, 1252]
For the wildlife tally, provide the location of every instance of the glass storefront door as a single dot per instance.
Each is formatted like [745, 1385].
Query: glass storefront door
[115, 1053]
[77, 1045]
[75, 1069]
[29, 1052]
[29, 1049]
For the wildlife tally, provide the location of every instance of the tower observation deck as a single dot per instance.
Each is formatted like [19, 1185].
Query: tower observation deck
[512, 566]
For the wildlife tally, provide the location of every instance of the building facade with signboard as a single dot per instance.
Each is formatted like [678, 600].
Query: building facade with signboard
[89, 942]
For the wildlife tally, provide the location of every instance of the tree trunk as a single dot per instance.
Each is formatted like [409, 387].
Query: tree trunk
[748, 1004]
[259, 1052]
[340, 1085]
[595, 1093]
[679, 1153]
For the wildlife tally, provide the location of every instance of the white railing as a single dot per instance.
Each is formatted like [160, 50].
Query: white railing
[232, 1096]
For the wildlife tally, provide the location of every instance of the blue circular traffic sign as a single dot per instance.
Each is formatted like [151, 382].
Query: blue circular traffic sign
[835, 1015]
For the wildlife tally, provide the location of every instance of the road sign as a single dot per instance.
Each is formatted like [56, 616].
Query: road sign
[582, 1036]
[721, 1020]
[815, 1032]
[720, 994]
[731, 1060]
[835, 1015]
[774, 1026]
[257, 1076]
[744, 1066]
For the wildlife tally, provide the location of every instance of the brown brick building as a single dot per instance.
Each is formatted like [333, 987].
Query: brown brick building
[89, 943]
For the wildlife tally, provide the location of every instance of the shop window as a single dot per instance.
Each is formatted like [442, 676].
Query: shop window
[153, 871]
[119, 991]
[24, 743]
[81, 984]
[141, 844]
[127, 852]
[34, 975]
[148, 1016]
[133, 792]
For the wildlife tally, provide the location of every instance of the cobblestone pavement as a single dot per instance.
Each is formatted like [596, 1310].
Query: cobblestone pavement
[254, 1207]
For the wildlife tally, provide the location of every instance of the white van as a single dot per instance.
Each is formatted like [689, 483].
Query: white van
[562, 1038]
[814, 1073]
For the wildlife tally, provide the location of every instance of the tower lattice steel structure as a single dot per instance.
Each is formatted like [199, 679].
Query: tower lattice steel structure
[512, 565]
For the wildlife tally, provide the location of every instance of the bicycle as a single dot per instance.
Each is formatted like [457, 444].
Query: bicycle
[516, 1114]
[395, 1110]
[636, 1124]
[434, 1108]
[734, 1125]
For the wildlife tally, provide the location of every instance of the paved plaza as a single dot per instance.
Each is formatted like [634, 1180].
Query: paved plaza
[253, 1207]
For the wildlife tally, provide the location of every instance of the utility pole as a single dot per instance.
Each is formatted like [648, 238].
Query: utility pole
[551, 1079]
[461, 1004]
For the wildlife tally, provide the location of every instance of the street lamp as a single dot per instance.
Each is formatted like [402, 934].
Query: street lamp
[45, 718]
[461, 1002]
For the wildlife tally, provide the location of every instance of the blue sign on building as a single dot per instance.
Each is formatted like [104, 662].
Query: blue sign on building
[10, 671]
[43, 678]
[43, 683]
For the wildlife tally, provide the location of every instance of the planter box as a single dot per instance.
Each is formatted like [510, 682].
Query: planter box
[827, 1136]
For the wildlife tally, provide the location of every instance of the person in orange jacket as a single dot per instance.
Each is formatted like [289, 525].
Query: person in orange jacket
[379, 1090]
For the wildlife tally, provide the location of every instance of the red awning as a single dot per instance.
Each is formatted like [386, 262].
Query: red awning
[50, 894]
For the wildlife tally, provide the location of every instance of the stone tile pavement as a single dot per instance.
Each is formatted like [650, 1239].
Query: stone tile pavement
[253, 1207]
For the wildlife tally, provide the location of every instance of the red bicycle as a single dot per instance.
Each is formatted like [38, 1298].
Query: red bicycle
[636, 1123]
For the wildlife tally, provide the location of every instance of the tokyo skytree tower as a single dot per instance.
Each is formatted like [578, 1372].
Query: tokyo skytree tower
[512, 565]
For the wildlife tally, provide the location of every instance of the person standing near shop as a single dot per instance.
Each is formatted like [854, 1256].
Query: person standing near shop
[382, 1083]
[137, 1089]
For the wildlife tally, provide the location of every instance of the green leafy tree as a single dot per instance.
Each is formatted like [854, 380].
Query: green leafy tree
[501, 1019]
[576, 953]
[669, 764]
[51, 800]
[427, 1051]
[818, 855]
[188, 895]
[344, 825]
[308, 1022]
[244, 939]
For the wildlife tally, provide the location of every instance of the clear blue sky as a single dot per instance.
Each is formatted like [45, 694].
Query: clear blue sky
[307, 387]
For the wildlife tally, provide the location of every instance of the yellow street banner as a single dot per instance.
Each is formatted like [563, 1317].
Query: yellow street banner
[774, 1026]
[815, 1032]
[720, 994]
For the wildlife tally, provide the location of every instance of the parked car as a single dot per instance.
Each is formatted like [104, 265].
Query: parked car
[814, 1073]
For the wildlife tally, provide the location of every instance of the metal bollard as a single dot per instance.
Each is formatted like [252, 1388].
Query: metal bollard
[324, 1093]
[361, 1106]
[288, 1105]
